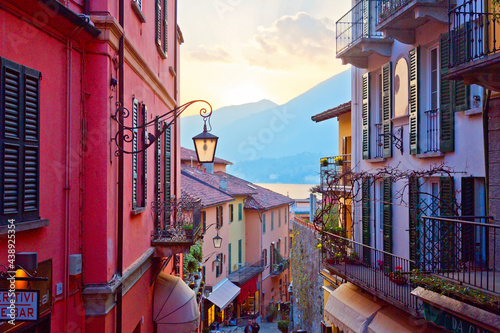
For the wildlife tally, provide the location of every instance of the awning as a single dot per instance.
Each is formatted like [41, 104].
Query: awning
[387, 321]
[393, 320]
[224, 293]
[174, 306]
[349, 310]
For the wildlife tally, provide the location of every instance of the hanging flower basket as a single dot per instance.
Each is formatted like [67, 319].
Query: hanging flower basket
[398, 280]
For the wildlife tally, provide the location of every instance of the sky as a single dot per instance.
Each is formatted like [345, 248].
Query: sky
[242, 51]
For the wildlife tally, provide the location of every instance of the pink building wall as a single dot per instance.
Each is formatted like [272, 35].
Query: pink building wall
[78, 169]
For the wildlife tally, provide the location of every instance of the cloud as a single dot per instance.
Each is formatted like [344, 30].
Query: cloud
[293, 41]
[207, 54]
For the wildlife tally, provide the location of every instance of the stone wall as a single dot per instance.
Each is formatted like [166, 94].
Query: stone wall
[307, 303]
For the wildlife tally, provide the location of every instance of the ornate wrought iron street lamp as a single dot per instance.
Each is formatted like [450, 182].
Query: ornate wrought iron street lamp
[204, 143]
[217, 240]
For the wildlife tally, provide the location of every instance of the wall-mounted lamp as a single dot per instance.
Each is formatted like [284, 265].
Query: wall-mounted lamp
[217, 239]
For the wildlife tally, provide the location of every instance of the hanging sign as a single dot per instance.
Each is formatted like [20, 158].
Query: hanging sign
[20, 305]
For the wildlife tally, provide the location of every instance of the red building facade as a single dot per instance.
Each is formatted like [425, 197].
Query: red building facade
[65, 66]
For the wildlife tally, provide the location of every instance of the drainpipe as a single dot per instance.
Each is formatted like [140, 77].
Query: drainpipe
[486, 138]
[119, 246]
[176, 121]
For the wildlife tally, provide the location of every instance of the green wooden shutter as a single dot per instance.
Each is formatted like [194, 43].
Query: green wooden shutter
[366, 115]
[221, 216]
[447, 197]
[145, 157]
[240, 212]
[272, 220]
[264, 223]
[365, 216]
[468, 205]
[158, 22]
[285, 246]
[446, 114]
[165, 26]
[230, 213]
[461, 52]
[279, 217]
[387, 221]
[413, 204]
[239, 252]
[447, 230]
[229, 258]
[414, 99]
[135, 145]
[366, 18]
[167, 176]
[158, 173]
[387, 108]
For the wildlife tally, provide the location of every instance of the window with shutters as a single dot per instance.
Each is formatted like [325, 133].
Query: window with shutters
[240, 212]
[240, 252]
[264, 256]
[139, 160]
[376, 141]
[158, 172]
[20, 143]
[263, 223]
[204, 219]
[137, 7]
[219, 268]
[272, 220]
[279, 217]
[229, 268]
[219, 217]
[231, 213]
[161, 29]
[167, 148]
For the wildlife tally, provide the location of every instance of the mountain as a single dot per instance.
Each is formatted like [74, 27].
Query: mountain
[271, 143]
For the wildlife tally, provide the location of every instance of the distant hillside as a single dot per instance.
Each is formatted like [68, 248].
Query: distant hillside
[271, 143]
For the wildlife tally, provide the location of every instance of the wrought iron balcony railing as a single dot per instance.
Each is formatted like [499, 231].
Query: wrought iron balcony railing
[337, 165]
[182, 221]
[463, 249]
[390, 7]
[279, 268]
[358, 23]
[474, 31]
[384, 274]
[247, 272]
[379, 141]
[432, 137]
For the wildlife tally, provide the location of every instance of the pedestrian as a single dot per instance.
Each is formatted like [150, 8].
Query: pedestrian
[255, 327]
[248, 328]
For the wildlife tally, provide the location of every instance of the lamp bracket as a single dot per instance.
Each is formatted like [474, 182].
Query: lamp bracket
[397, 138]
[127, 134]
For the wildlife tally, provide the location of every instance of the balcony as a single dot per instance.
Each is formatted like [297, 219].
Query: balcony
[383, 274]
[432, 136]
[463, 250]
[246, 272]
[177, 225]
[356, 36]
[279, 267]
[335, 169]
[474, 43]
[399, 19]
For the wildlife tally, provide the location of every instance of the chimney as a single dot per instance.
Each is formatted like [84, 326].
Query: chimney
[223, 184]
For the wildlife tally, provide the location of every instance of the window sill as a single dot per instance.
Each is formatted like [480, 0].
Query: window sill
[376, 160]
[23, 226]
[163, 55]
[472, 112]
[430, 155]
[138, 11]
[138, 210]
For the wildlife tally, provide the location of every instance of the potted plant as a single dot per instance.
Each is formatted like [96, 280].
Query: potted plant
[397, 276]
[188, 228]
[192, 285]
[272, 312]
[353, 258]
[283, 326]
[324, 162]
[338, 160]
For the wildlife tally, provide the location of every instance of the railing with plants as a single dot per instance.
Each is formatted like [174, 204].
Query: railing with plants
[474, 30]
[432, 137]
[383, 273]
[279, 267]
[358, 23]
[335, 164]
[463, 249]
[184, 224]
